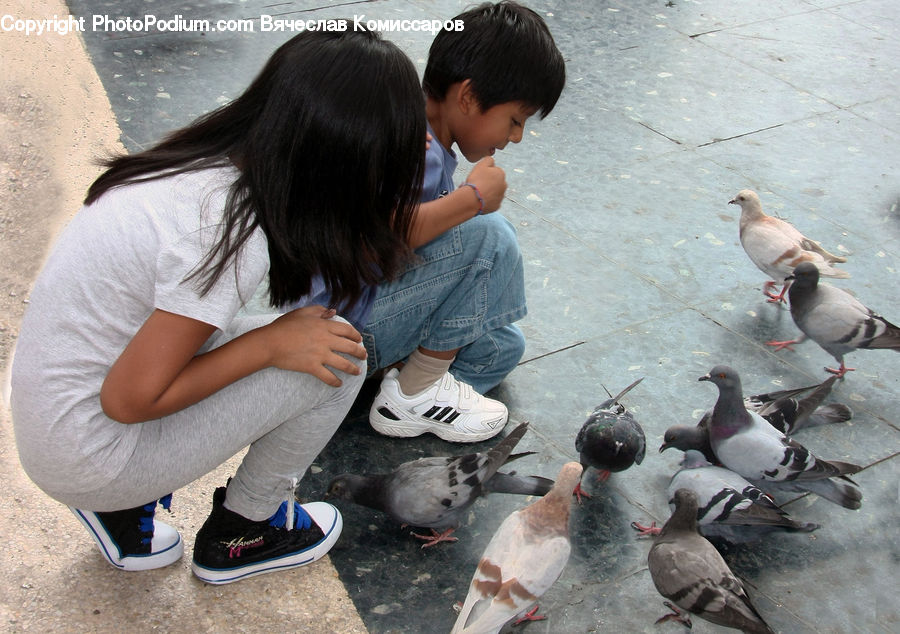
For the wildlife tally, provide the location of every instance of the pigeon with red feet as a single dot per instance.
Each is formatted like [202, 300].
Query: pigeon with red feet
[835, 319]
[776, 247]
[436, 492]
[610, 440]
[686, 568]
[524, 558]
[730, 507]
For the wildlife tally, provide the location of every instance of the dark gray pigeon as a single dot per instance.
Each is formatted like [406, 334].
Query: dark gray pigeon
[610, 439]
[687, 569]
[729, 507]
[748, 445]
[785, 410]
[435, 492]
[834, 319]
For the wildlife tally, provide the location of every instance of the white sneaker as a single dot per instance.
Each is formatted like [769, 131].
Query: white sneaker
[449, 409]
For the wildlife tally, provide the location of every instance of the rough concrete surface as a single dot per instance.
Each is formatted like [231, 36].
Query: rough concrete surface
[55, 121]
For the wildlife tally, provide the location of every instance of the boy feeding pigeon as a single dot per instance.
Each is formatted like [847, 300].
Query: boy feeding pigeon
[449, 320]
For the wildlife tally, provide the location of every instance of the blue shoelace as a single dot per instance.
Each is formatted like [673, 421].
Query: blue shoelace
[302, 520]
[146, 521]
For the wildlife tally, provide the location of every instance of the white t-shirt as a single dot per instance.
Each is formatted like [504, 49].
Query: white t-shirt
[118, 259]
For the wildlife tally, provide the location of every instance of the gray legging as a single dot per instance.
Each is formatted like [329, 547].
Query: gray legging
[286, 417]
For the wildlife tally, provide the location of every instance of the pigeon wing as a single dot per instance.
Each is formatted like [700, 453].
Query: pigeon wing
[515, 570]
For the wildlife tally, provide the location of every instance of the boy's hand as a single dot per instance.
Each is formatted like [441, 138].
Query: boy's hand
[490, 181]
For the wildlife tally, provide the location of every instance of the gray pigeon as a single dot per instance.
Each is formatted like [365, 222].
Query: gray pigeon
[610, 439]
[783, 409]
[730, 507]
[776, 247]
[523, 559]
[687, 569]
[834, 319]
[435, 492]
[748, 445]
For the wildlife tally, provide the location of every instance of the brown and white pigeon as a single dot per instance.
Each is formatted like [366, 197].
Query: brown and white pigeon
[435, 492]
[687, 569]
[729, 507]
[834, 319]
[786, 410]
[524, 558]
[748, 445]
[777, 247]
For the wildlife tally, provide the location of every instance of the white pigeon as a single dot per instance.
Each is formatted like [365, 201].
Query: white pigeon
[777, 247]
[748, 445]
[687, 569]
[834, 319]
[523, 559]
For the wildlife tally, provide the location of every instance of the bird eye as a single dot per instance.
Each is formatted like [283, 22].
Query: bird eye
[722, 376]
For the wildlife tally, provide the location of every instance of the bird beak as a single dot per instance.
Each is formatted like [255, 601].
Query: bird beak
[790, 277]
[733, 201]
[705, 377]
[664, 446]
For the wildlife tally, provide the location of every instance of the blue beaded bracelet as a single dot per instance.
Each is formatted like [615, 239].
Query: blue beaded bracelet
[478, 194]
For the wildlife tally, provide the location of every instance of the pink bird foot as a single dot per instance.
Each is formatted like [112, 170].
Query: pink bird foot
[781, 345]
[676, 615]
[774, 299]
[531, 615]
[579, 493]
[646, 531]
[436, 537]
[841, 371]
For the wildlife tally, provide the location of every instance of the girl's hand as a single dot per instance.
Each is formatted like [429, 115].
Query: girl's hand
[309, 340]
[160, 372]
[490, 181]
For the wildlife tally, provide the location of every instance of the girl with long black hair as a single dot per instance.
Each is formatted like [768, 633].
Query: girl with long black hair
[134, 373]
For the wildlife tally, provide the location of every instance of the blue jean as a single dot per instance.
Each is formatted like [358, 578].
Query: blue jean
[464, 290]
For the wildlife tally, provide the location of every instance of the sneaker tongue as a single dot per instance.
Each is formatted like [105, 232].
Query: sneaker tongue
[302, 520]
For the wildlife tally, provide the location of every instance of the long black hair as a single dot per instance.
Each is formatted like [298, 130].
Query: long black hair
[329, 140]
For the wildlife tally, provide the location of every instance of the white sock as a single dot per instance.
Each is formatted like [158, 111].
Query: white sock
[420, 371]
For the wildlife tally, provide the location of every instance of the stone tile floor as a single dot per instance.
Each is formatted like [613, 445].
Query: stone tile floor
[633, 268]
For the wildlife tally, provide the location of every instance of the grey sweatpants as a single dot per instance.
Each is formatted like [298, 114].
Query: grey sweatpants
[285, 417]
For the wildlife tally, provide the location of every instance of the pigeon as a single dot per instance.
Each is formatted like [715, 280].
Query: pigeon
[610, 439]
[435, 492]
[745, 443]
[776, 247]
[834, 319]
[686, 568]
[524, 558]
[729, 507]
[783, 409]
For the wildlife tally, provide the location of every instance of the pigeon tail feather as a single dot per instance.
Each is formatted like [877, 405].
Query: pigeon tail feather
[519, 485]
[837, 492]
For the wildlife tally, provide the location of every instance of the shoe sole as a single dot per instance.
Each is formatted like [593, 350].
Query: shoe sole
[131, 563]
[220, 576]
[409, 429]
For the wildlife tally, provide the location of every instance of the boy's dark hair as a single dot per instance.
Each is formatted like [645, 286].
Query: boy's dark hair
[507, 52]
[330, 143]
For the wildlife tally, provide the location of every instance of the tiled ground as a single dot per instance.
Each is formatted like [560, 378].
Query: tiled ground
[634, 268]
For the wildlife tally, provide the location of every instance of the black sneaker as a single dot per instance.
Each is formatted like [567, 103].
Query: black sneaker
[229, 547]
[133, 539]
